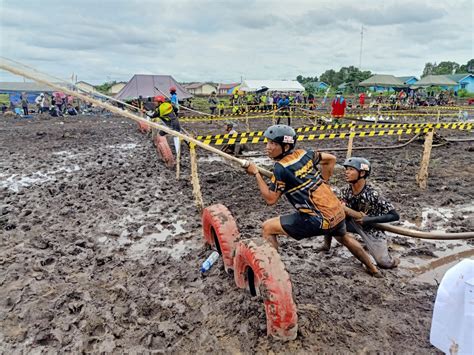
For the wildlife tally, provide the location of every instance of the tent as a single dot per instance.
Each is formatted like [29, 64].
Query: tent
[272, 85]
[151, 85]
[386, 81]
[434, 80]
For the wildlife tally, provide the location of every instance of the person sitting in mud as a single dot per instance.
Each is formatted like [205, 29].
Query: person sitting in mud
[366, 206]
[295, 174]
[234, 149]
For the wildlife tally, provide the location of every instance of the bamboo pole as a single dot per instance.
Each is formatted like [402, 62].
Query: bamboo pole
[351, 140]
[178, 159]
[422, 175]
[132, 116]
[195, 178]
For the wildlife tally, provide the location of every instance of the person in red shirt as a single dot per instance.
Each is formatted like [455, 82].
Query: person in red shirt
[361, 100]
[338, 107]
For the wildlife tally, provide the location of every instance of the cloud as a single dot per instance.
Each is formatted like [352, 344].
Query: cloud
[224, 40]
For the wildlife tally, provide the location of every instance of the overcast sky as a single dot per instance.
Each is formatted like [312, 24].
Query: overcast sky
[204, 40]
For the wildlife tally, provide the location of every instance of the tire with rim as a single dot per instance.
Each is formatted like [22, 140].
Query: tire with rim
[164, 151]
[220, 231]
[258, 268]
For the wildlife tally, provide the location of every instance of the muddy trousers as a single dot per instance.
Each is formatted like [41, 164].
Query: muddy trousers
[377, 247]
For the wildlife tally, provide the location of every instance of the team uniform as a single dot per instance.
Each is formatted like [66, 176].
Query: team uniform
[371, 203]
[319, 211]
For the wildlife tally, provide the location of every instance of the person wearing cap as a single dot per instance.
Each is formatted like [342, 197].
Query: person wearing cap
[174, 100]
[302, 176]
[164, 111]
[366, 206]
[233, 149]
[338, 106]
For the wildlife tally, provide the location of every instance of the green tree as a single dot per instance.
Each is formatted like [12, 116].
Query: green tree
[428, 69]
[105, 87]
[304, 80]
[443, 68]
[466, 68]
[446, 68]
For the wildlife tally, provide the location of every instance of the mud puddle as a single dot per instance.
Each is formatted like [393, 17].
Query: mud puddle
[435, 257]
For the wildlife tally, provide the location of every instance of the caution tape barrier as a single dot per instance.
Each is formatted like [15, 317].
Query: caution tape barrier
[322, 136]
[249, 135]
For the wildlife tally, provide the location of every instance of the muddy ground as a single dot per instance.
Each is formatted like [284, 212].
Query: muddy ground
[100, 248]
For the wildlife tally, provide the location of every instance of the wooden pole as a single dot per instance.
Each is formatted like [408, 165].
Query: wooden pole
[130, 115]
[422, 176]
[351, 140]
[178, 159]
[195, 178]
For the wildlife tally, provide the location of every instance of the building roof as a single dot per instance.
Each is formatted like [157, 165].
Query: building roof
[383, 81]
[151, 85]
[11, 87]
[198, 85]
[317, 83]
[435, 80]
[458, 77]
[404, 79]
[272, 85]
[228, 86]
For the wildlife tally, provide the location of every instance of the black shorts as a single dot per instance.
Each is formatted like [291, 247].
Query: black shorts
[302, 225]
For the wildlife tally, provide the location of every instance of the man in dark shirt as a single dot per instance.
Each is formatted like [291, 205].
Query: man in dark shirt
[295, 174]
[370, 207]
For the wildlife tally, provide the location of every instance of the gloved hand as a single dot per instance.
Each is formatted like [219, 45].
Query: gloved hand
[149, 113]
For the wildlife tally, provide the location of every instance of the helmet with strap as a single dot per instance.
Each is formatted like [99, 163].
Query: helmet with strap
[281, 134]
[360, 164]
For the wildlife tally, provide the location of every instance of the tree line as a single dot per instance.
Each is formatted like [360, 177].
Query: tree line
[352, 76]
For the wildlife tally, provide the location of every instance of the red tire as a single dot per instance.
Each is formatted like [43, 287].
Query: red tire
[258, 268]
[221, 231]
[164, 151]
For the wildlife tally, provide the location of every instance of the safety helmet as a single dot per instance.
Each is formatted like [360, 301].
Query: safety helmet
[172, 89]
[165, 109]
[159, 98]
[360, 164]
[281, 134]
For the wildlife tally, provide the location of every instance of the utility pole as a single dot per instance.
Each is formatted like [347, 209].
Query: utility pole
[361, 42]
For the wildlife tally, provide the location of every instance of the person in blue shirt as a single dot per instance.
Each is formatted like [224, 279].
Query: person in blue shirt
[174, 100]
[297, 176]
[284, 109]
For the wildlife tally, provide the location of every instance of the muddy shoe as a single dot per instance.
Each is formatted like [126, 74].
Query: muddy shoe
[377, 274]
[322, 249]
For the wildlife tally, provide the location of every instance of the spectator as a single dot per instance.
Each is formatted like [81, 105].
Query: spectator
[213, 101]
[24, 103]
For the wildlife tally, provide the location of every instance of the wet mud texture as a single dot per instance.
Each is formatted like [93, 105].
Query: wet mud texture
[101, 252]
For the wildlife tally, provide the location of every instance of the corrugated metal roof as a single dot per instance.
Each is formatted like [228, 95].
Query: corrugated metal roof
[435, 80]
[458, 77]
[29, 87]
[383, 81]
[404, 79]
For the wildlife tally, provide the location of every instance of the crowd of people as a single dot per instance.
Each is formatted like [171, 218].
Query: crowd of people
[55, 104]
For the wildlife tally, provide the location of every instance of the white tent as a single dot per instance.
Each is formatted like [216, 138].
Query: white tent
[272, 85]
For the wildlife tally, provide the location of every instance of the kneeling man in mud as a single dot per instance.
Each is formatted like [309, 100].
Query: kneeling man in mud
[296, 175]
[365, 206]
